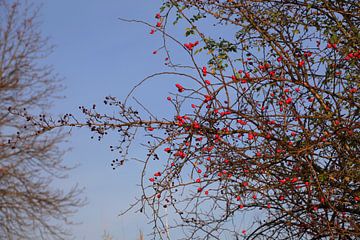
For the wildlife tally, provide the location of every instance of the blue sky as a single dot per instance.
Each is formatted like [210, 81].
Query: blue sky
[98, 55]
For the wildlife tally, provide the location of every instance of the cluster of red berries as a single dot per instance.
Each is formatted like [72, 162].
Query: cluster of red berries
[190, 46]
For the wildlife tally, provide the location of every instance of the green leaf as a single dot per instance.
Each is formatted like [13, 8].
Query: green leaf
[334, 38]
[189, 31]
[198, 51]
[296, 31]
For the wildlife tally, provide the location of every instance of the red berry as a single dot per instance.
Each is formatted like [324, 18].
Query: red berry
[204, 71]
[353, 90]
[301, 63]
[179, 87]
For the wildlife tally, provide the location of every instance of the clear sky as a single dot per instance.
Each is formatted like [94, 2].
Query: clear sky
[98, 55]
